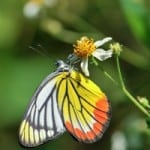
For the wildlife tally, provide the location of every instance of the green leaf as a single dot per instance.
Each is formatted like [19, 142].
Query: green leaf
[137, 15]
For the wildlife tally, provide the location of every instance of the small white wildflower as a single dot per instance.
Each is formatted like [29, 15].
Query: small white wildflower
[86, 47]
[33, 7]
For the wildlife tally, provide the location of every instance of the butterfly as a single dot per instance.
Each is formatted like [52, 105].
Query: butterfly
[66, 100]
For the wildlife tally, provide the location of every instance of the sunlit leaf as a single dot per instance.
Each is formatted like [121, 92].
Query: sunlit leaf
[137, 16]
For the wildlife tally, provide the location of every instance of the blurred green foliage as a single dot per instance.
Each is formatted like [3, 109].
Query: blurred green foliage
[52, 33]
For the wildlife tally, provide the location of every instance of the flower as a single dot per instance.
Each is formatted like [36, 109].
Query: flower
[86, 47]
[116, 47]
[33, 7]
[144, 101]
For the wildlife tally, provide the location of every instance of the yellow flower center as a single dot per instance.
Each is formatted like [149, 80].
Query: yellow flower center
[84, 47]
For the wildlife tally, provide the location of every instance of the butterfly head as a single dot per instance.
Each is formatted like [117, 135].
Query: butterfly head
[62, 66]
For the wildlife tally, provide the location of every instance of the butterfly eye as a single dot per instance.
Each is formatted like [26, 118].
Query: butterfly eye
[61, 66]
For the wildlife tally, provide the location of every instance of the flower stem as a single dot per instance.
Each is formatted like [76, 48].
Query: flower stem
[127, 93]
[108, 75]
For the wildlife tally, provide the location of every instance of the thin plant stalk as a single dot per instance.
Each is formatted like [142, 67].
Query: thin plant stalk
[127, 93]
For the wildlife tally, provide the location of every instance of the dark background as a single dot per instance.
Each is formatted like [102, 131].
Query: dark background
[30, 46]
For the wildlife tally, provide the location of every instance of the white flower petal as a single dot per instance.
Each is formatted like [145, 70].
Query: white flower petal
[101, 54]
[84, 66]
[103, 41]
[31, 10]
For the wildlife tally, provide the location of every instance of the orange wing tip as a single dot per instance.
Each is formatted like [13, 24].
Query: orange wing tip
[103, 104]
[86, 137]
[102, 112]
[79, 134]
[97, 128]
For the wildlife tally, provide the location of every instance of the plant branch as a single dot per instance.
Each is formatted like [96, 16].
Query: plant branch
[127, 93]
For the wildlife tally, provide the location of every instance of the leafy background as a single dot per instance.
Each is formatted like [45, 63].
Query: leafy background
[29, 47]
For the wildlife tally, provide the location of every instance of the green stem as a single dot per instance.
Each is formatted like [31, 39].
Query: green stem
[119, 73]
[108, 75]
[127, 93]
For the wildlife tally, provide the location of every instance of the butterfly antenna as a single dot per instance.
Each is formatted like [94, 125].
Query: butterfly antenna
[42, 51]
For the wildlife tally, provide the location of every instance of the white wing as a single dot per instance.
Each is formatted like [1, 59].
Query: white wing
[42, 121]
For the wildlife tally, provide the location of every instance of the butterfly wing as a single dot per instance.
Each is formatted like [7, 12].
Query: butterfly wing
[42, 121]
[85, 108]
